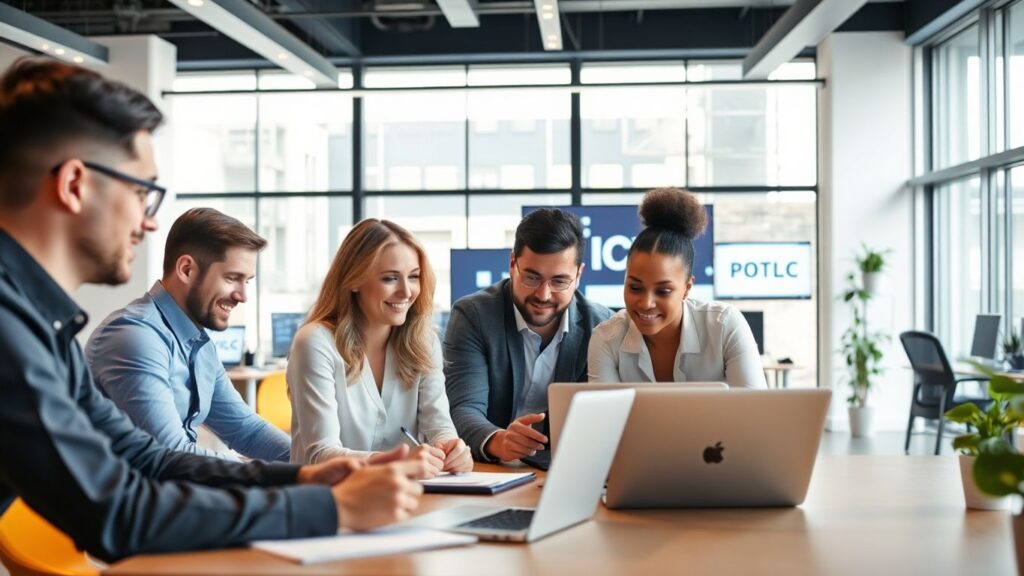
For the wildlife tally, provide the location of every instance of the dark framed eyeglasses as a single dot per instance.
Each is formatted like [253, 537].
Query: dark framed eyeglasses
[154, 192]
[533, 281]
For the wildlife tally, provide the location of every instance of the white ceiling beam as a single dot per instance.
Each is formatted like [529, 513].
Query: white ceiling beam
[806, 23]
[549, 21]
[249, 26]
[460, 13]
[38, 35]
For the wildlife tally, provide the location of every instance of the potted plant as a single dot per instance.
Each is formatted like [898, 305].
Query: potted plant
[999, 468]
[991, 430]
[871, 262]
[1013, 350]
[862, 351]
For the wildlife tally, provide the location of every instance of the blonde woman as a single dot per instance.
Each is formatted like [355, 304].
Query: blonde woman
[367, 362]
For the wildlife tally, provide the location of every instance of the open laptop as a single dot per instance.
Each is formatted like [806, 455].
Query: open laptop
[560, 394]
[715, 448]
[230, 344]
[573, 485]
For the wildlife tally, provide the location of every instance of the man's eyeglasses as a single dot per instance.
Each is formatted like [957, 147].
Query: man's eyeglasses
[154, 193]
[531, 280]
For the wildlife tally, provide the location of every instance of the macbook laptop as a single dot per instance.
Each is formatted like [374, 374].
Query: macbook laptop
[572, 489]
[560, 394]
[712, 448]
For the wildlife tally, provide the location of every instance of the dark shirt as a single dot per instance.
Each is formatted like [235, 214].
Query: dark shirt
[71, 455]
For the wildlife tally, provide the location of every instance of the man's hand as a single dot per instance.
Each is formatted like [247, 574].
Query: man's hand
[378, 495]
[457, 457]
[330, 472]
[519, 440]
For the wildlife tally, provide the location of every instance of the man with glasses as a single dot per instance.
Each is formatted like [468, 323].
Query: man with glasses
[507, 343]
[76, 197]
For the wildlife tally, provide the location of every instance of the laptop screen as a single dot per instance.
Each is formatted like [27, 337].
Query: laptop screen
[986, 335]
[230, 344]
[283, 326]
[755, 319]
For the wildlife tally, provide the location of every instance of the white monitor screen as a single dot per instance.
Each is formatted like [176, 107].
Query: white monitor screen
[762, 270]
[230, 344]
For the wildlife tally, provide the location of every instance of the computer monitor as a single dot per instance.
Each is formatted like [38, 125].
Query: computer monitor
[230, 344]
[755, 319]
[986, 335]
[283, 326]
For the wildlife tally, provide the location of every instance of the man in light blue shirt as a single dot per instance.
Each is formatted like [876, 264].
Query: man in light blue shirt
[155, 360]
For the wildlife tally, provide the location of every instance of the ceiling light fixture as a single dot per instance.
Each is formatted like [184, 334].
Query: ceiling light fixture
[35, 34]
[460, 13]
[550, 27]
[246, 24]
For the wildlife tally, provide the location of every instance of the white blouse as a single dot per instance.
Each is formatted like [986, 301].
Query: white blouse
[332, 417]
[716, 345]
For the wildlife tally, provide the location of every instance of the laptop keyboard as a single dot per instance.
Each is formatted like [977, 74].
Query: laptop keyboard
[511, 520]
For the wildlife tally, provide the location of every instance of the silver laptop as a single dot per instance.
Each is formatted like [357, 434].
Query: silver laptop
[573, 485]
[704, 448]
[560, 394]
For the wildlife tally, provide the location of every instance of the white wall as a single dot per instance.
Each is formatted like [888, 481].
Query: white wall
[147, 64]
[865, 147]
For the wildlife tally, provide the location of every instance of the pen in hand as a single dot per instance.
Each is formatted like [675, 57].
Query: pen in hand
[410, 437]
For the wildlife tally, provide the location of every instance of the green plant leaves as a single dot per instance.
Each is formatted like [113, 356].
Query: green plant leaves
[999, 474]
[966, 414]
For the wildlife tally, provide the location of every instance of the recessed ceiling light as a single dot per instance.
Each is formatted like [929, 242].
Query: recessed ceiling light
[308, 73]
[547, 15]
[78, 59]
[547, 7]
[552, 45]
[196, 3]
[59, 51]
[282, 56]
[46, 46]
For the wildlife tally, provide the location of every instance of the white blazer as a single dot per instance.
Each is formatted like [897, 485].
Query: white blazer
[332, 417]
[716, 346]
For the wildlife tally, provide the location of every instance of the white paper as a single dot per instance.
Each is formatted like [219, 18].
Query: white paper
[475, 479]
[347, 545]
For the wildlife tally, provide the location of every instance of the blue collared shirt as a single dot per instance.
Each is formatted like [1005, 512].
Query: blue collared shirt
[140, 357]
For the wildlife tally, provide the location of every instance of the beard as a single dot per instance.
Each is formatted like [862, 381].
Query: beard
[202, 313]
[555, 313]
[111, 265]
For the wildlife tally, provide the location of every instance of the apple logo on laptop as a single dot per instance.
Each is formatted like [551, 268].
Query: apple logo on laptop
[713, 454]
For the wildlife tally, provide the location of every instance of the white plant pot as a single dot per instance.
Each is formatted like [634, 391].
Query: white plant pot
[872, 282]
[862, 421]
[974, 498]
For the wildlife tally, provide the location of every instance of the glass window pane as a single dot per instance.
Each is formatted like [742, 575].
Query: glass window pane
[302, 233]
[625, 72]
[439, 222]
[519, 139]
[714, 70]
[519, 74]
[212, 142]
[401, 77]
[493, 219]
[281, 80]
[1016, 246]
[414, 141]
[305, 142]
[757, 136]
[958, 264]
[633, 137]
[1015, 49]
[957, 89]
[214, 81]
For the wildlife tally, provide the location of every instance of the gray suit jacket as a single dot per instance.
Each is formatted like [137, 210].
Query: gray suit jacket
[484, 362]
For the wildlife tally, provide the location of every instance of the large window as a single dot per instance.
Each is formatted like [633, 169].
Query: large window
[977, 213]
[455, 153]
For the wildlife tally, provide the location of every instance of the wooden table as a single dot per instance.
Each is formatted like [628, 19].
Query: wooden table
[248, 377]
[864, 515]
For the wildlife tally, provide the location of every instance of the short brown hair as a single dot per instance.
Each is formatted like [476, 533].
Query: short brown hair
[46, 105]
[206, 235]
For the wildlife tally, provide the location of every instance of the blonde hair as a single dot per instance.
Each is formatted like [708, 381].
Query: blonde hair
[337, 309]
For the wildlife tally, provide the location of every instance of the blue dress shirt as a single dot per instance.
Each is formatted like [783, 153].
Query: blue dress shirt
[161, 369]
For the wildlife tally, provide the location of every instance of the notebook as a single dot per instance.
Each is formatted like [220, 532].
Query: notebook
[347, 545]
[476, 482]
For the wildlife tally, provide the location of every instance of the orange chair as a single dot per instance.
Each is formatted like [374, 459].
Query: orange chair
[272, 402]
[31, 546]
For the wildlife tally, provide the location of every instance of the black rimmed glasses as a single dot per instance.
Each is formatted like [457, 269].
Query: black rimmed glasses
[533, 281]
[151, 193]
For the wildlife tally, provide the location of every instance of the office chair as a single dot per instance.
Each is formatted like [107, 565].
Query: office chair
[31, 546]
[272, 402]
[934, 383]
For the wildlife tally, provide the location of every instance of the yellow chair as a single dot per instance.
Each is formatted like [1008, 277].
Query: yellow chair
[31, 546]
[272, 402]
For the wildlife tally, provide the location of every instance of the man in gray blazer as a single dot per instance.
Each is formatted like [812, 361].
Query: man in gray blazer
[507, 343]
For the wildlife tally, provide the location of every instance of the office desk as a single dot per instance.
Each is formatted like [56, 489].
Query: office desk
[865, 515]
[780, 372]
[962, 368]
[248, 377]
